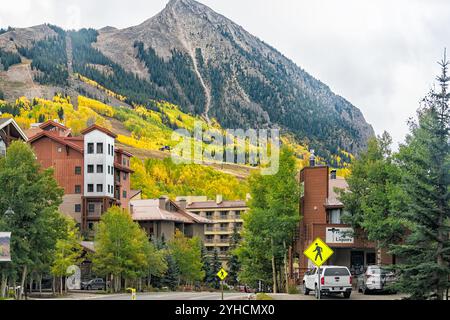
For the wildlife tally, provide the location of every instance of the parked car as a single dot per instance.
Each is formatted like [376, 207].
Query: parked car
[94, 284]
[247, 289]
[375, 278]
[333, 280]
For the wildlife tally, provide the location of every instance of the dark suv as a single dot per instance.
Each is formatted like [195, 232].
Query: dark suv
[94, 284]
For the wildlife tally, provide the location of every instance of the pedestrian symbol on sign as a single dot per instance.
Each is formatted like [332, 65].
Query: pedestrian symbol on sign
[318, 249]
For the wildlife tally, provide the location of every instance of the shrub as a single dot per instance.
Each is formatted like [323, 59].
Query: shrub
[292, 289]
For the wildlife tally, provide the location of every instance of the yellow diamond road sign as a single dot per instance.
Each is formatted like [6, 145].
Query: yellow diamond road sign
[318, 252]
[222, 274]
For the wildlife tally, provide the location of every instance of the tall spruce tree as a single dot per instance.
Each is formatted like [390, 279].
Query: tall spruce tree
[425, 164]
[206, 261]
[233, 262]
[216, 265]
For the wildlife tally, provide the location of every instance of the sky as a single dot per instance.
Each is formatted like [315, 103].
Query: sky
[380, 55]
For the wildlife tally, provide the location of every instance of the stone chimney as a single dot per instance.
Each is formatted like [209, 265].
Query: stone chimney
[182, 204]
[312, 159]
[162, 202]
[219, 199]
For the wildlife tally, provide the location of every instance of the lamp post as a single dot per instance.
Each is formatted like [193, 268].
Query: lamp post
[9, 213]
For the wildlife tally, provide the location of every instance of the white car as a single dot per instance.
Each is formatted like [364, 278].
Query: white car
[333, 280]
[376, 278]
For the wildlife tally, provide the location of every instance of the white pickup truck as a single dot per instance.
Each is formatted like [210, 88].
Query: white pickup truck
[333, 280]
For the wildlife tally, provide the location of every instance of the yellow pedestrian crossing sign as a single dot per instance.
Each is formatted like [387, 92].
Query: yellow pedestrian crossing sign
[318, 252]
[222, 274]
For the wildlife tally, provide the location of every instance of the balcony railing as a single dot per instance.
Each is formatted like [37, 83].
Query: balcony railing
[219, 229]
[217, 241]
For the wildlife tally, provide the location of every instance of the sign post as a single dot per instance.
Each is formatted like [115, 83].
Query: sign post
[318, 252]
[133, 293]
[222, 274]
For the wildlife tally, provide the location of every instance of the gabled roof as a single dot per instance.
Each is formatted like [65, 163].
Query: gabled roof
[10, 121]
[58, 139]
[149, 210]
[52, 123]
[96, 127]
[124, 152]
[214, 205]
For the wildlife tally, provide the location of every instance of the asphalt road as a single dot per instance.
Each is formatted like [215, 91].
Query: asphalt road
[175, 296]
[202, 296]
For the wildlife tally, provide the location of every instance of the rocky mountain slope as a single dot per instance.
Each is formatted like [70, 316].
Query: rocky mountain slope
[198, 59]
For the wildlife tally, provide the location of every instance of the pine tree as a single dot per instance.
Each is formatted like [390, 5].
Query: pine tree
[233, 263]
[172, 275]
[216, 265]
[425, 164]
[209, 274]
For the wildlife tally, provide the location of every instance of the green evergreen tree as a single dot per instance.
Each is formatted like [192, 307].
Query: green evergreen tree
[234, 266]
[172, 274]
[425, 164]
[216, 265]
[61, 114]
[206, 261]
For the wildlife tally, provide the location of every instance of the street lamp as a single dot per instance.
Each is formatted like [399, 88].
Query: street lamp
[9, 213]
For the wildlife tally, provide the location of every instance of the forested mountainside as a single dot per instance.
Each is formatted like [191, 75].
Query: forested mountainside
[189, 56]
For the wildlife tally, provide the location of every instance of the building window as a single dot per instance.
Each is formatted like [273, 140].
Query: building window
[112, 171]
[91, 207]
[90, 168]
[91, 226]
[77, 189]
[59, 149]
[99, 147]
[99, 168]
[90, 188]
[99, 188]
[112, 150]
[78, 208]
[124, 194]
[209, 215]
[334, 216]
[90, 148]
[109, 149]
[124, 176]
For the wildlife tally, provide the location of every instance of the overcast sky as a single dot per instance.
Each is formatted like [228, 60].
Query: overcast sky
[381, 55]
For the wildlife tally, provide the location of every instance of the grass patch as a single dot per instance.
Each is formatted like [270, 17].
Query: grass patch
[263, 296]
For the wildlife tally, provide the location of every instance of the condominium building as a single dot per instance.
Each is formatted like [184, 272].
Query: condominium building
[226, 216]
[94, 174]
[9, 132]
